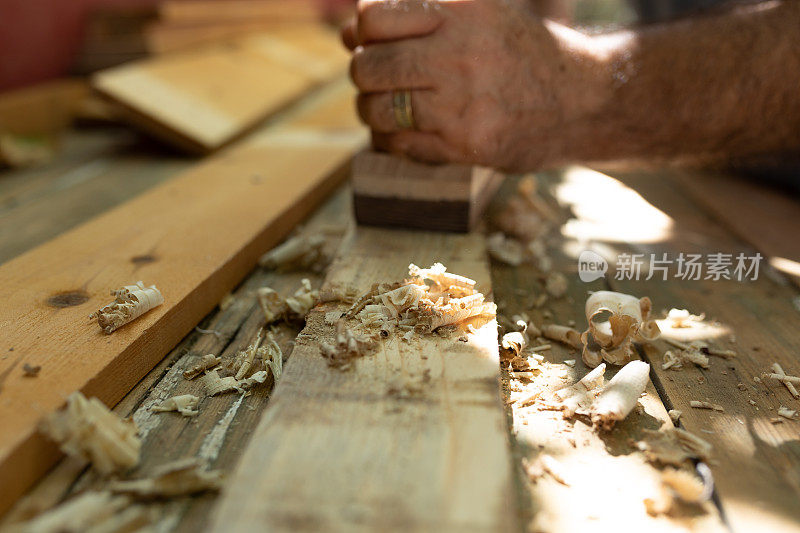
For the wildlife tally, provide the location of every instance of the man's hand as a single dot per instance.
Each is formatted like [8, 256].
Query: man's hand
[491, 83]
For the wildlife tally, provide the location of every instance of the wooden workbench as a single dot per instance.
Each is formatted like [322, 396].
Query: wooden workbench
[756, 463]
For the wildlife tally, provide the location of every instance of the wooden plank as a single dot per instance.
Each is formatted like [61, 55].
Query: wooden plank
[340, 451]
[200, 234]
[236, 10]
[202, 99]
[762, 216]
[393, 191]
[608, 479]
[755, 462]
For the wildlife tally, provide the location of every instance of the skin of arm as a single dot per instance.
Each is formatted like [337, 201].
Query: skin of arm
[494, 84]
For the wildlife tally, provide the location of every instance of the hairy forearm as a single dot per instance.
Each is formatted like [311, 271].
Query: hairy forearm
[724, 85]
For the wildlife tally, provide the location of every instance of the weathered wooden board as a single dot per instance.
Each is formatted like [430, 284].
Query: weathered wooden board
[608, 478]
[756, 463]
[764, 217]
[348, 450]
[396, 192]
[195, 237]
[204, 98]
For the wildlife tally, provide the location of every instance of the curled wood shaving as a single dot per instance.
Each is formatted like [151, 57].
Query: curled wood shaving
[185, 404]
[213, 384]
[563, 334]
[620, 395]
[87, 429]
[256, 379]
[556, 284]
[685, 485]
[580, 396]
[272, 305]
[244, 360]
[91, 511]
[673, 446]
[505, 250]
[674, 415]
[785, 412]
[296, 253]
[615, 321]
[207, 361]
[178, 478]
[303, 299]
[513, 343]
[130, 302]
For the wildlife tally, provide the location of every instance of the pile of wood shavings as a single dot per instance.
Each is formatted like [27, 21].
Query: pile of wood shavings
[429, 300]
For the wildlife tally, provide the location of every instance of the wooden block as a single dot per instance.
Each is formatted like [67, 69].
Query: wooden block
[394, 191]
[202, 99]
[195, 236]
[349, 451]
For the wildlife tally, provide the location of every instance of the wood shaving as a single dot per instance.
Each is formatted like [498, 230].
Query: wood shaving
[347, 346]
[579, 397]
[674, 415]
[556, 284]
[185, 404]
[706, 405]
[681, 318]
[272, 356]
[303, 299]
[207, 361]
[785, 412]
[130, 302]
[91, 512]
[685, 485]
[30, 371]
[296, 253]
[563, 334]
[87, 429]
[256, 379]
[620, 395]
[780, 375]
[272, 305]
[213, 384]
[673, 446]
[243, 362]
[505, 250]
[615, 321]
[178, 478]
[513, 343]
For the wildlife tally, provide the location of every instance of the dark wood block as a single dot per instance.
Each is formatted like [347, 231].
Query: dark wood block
[392, 191]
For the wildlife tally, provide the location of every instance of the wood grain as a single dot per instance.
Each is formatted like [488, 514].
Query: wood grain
[204, 98]
[340, 451]
[202, 231]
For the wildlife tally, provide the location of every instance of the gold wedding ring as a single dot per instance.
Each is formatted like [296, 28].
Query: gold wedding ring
[403, 113]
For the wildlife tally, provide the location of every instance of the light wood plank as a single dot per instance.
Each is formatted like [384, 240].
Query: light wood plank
[339, 451]
[202, 99]
[201, 231]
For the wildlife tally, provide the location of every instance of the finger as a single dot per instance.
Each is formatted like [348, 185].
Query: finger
[377, 111]
[390, 20]
[389, 66]
[419, 145]
[349, 35]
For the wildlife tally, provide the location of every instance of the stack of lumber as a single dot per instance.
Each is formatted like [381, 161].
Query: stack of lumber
[202, 99]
